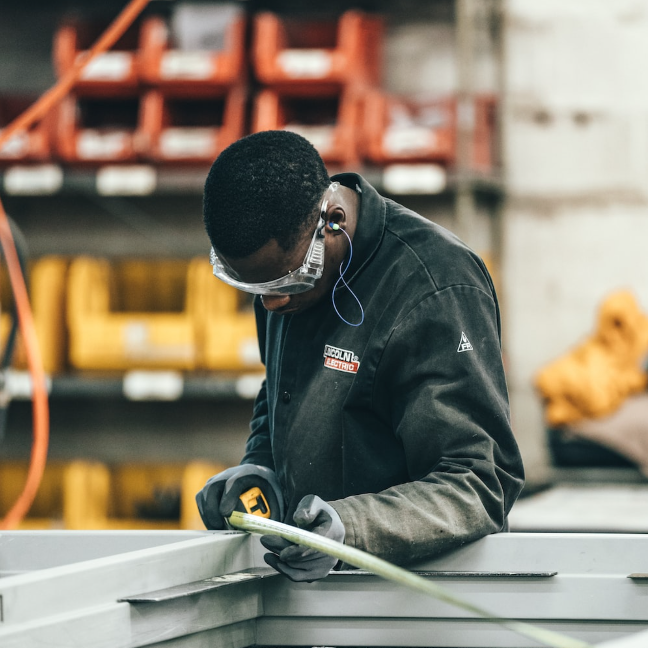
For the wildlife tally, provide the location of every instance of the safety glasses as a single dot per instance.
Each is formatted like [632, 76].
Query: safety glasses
[294, 282]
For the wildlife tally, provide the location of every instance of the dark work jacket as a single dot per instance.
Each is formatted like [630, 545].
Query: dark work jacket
[402, 423]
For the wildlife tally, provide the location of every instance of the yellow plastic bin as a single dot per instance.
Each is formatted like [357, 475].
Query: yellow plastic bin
[46, 511]
[84, 494]
[130, 314]
[226, 323]
[47, 285]
[134, 495]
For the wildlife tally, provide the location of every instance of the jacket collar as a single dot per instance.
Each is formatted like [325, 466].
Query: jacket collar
[370, 227]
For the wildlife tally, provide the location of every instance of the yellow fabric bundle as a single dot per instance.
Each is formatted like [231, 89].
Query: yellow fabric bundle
[594, 379]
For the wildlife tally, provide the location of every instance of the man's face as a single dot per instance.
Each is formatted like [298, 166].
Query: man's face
[271, 262]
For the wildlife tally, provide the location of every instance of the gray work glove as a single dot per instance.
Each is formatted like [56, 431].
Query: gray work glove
[220, 495]
[301, 563]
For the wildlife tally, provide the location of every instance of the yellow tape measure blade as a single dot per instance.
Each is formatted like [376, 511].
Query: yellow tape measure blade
[255, 503]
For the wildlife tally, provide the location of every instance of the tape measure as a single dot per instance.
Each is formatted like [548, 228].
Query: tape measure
[254, 502]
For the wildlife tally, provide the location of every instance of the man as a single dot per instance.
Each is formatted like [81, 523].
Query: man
[383, 420]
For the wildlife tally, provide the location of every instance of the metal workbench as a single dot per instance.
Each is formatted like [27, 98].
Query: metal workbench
[127, 589]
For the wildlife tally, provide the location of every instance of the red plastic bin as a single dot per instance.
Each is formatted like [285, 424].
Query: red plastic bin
[111, 72]
[309, 54]
[485, 148]
[402, 129]
[33, 145]
[167, 64]
[331, 123]
[98, 129]
[179, 128]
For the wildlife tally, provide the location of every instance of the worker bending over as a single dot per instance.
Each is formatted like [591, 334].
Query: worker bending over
[383, 421]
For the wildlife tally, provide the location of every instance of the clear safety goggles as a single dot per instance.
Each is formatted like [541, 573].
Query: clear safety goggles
[294, 282]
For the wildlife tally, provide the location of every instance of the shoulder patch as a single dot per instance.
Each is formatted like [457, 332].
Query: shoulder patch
[464, 344]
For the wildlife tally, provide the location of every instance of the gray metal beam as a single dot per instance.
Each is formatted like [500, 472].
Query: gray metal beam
[583, 585]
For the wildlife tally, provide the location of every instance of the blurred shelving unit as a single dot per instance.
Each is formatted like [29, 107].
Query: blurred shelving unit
[149, 180]
[138, 385]
[154, 208]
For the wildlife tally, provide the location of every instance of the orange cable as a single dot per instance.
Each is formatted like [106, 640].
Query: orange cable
[25, 318]
[35, 364]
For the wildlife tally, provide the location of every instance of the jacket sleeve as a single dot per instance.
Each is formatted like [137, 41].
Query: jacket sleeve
[448, 406]
[258, 448]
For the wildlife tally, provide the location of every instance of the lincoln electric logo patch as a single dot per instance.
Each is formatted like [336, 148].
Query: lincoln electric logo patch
[340, 359]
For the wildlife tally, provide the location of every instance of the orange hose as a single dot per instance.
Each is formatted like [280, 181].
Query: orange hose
[35, 364]
[25, 318]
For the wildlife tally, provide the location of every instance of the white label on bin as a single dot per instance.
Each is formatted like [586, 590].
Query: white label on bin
[138, 346]
[305, 63]
[249, 351]
[188, 142]
[111, 66]
[95, 145]
[19, 384]
[414, 179]
[44, 179]
[404, 140]
[153, 385]
[136, 335]
[176, 64]
[321, 137]
[126, 180]
[248, 386]
[15, 146]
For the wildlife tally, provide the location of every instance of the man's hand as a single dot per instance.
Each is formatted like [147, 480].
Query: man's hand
[301, 563]
[220, 495]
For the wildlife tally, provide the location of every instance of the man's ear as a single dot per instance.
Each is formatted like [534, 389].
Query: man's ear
[335, 219]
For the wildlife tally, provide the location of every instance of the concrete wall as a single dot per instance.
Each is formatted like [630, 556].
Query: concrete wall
[576, 147]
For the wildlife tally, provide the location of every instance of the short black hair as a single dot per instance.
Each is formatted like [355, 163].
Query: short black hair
[264, 186]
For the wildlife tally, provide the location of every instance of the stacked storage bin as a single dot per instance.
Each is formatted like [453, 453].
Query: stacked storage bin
[33, 145]
[47, 286]
[399, 129]
[226, 324]
[85, 494]
[134, 495]
[98, 121]
[195, 68]
[160, 95]
[130, 314]
[313, 76]
[46, 512]
[161, 314]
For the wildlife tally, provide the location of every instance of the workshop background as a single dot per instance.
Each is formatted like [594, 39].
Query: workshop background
[520, 125]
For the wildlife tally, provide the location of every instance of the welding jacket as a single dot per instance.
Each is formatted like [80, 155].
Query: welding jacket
[401, 424]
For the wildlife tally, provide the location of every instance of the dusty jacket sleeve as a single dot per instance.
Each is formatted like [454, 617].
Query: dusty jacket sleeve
[258, 448]
[449, 408]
